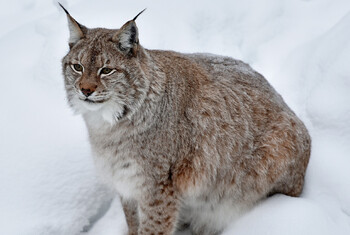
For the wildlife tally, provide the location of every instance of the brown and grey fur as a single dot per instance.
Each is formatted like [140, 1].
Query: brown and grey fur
[183, 138]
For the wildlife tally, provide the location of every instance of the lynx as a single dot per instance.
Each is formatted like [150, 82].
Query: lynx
[184, 139]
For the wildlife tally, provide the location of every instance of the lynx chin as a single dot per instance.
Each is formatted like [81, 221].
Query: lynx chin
[186, 140]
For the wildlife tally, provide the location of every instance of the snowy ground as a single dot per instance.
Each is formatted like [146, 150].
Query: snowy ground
[47, 180]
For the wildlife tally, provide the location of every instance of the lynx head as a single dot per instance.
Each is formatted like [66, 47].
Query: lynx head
[103, 69]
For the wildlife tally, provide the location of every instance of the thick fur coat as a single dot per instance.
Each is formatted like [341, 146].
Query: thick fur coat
[184, 139]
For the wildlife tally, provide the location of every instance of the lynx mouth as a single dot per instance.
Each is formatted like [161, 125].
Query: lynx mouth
[93, 101]
[92, 105]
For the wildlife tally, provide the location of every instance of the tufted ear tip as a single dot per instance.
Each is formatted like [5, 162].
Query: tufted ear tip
[139, 14]
[65, 10]
[76, 30]
[127, 36]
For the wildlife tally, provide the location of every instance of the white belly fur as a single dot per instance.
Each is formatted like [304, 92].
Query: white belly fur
[216, 216]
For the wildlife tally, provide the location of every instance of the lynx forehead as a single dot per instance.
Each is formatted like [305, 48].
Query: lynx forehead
[185, 139]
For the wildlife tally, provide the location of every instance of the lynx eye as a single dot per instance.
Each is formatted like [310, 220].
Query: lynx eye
[106, 71]
[77, 68]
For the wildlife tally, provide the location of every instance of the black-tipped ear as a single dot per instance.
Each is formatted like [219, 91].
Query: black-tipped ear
[127, 37]
[139, 14]
[76, 30]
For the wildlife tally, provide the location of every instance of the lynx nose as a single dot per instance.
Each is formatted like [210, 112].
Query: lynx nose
[88, 89]
[86, 92]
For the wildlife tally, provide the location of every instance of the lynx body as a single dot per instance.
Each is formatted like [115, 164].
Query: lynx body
[189, 139]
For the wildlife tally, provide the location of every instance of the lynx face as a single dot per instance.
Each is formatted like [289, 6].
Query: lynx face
[102, 72]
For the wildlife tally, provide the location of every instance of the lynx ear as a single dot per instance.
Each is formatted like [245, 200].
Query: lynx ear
[127, 37]
[76, 30]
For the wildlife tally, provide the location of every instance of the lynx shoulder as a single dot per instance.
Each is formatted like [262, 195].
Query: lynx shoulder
[192, 139]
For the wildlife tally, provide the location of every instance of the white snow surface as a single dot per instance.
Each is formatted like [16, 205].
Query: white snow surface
[47, 178]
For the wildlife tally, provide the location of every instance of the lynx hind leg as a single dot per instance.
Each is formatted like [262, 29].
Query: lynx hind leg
[285, 153]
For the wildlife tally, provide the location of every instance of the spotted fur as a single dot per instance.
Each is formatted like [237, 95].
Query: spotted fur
[185, 139]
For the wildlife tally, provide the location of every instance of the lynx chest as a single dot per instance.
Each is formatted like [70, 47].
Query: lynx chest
[119, 171]
[116, 163]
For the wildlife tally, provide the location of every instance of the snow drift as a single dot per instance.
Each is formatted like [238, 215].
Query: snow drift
[48, 184]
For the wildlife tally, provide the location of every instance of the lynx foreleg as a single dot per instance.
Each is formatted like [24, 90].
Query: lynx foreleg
[159, 212]
[131, 215]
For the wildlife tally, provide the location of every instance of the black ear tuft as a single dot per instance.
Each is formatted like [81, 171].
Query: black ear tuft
[76, 30]
[65, 10]
[139, 14]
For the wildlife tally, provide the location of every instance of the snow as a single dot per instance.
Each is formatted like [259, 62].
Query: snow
[47, 178]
